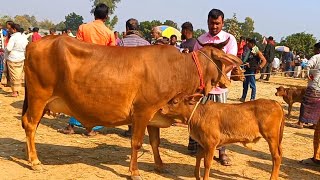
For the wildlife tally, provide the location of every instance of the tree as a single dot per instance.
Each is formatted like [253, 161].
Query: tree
[46, 24]
[197, 33]
[300, 42]
[60, 26]
[111, 22]
[31, 19]
[22, 21]
[4, 19]
[73, 21]
[247, 27]
[232, 26]
[171, 23]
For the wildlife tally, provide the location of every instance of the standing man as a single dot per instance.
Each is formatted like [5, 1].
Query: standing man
[310, 106]
[217, 35]
[241, 46]
[94, 32]
[269, 54]
[133, 38]
[187, 32]
[52, 31]
[35, 36]
[118, 40]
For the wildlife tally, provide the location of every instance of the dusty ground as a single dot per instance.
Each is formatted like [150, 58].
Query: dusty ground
[106, 156]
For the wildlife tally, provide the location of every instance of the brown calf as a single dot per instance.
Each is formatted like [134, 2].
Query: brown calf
[215, 124]
[290, 96]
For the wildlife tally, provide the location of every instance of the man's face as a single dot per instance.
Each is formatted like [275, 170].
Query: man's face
[173, 40]
[215, 25]
[154, 34]
[9, 27]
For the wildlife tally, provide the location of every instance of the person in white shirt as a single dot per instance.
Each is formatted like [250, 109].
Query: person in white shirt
[16, 54]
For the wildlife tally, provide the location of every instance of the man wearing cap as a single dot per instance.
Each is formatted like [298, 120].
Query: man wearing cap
[269, 54]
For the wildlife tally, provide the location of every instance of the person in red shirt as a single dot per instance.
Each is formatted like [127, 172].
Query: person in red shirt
[241, 45]
[35, 36]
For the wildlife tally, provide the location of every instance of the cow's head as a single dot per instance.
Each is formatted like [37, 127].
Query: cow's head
[181, 106]
[222, 63]
[237, 74]
[281, 91]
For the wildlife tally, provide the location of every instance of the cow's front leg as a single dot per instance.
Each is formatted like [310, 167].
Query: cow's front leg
[154, 138]
[139, 125]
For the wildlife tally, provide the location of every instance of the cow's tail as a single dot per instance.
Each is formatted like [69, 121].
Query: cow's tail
[25, 102]
[281, 131]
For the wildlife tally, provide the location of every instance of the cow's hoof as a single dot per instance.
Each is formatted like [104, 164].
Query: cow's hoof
[136, 178]
[37, 167]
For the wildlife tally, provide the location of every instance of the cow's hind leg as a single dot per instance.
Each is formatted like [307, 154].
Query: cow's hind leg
[276, 153]
[30, 121]
[139, 125]
[154, 138]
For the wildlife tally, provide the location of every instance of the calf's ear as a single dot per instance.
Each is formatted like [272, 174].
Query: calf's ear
[193, 99]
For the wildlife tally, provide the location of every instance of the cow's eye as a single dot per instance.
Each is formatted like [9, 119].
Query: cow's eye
[175, 101]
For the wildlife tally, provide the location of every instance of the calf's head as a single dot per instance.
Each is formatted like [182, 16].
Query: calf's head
[281, 91]
[181, 106]
[237, 74]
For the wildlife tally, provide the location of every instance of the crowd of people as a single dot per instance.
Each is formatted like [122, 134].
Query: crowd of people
[254, 61]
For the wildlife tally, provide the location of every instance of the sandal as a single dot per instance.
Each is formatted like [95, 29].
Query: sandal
[310, 162]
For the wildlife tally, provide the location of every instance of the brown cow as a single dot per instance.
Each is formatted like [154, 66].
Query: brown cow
[112, 86]
[290, 96]
[216, 124]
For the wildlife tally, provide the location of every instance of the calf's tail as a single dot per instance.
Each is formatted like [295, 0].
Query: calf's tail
[281, 131]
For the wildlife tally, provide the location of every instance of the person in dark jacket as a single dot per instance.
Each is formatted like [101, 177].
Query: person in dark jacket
[269, 54]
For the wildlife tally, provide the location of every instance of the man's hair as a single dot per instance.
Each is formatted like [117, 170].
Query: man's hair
[188, 26]
[172, 36]
[252, 41]
[270, 38]
[317, 46]
[11, 23]
[101, 11]
[16, 27]
[21, 30]
[132, 24]
[35, 29]
[215, 13]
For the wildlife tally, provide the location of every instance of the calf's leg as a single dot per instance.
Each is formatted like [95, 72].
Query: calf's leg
[199, 156]
[208, 157]
[154, 138]
[276, 153]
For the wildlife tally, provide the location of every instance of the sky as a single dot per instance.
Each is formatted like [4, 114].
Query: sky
[277, 18]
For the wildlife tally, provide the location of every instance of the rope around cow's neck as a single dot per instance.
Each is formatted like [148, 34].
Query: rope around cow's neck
[192, 113]
[213, 63]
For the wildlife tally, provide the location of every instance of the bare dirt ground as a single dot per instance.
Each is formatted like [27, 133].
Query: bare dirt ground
[106, 156]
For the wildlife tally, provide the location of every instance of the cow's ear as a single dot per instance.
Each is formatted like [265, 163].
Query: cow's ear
[229, 59]
[193, 99]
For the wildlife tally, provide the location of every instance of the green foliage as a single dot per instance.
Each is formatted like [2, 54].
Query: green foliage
[46, 24]
[73, 21]
[31, 19]
[60, 26]
[171, 23]
[197, 33]
[300, 42]
[4, 19]
[232, 26]
[247, 27]
[22, 21]
[111, 22]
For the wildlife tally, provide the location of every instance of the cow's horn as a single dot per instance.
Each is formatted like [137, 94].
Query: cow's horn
[219, 45]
